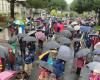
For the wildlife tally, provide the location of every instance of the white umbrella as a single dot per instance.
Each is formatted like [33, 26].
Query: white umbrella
[74, 23]
[94, 66]
[77, 27]
[65, 53]
[83, 52]
[97, 46]
[96, 58]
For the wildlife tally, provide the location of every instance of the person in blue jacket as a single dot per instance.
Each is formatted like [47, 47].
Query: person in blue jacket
[58, 68]
[28, 60]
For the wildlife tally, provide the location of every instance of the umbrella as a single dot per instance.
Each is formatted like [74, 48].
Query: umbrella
[46, 65]
[97, 46]
[77, 39]
[94, 66]
[3, 52]
[31, 33]
[29, 38]
[63, 40]
[74, 23]
[40, 35]
[83, 52]
[85, 28]
[51, 45]
[96, 51]
[18, 22]
[96, 58]
[13, 39]
[44, 56]
[6, 45]
[21, 35]
[77, 27]
[65, 53]
[66, 33]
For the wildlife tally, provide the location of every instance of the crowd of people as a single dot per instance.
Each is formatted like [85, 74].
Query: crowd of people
[64, 38]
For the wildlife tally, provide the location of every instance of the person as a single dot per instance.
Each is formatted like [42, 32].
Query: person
[58, 68]
[28, 60]
[43, 73]
[2, 65]
[52, 77]
[93, 76]
[77, 46]
[18, 61]
[11, 59]
[79, 62]
[31, 46]
[22, 46]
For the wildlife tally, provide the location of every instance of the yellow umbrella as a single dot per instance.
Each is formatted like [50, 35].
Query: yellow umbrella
[45, 54]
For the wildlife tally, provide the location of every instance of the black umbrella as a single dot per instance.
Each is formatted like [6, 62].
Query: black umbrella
[83, 52]
[21, 35]
[29, 38]
[46, 65]
[51, 45]
[63, 40]
[3, 52]
[66, 33]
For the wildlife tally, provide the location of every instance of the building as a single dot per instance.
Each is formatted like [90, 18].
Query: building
[5, 7]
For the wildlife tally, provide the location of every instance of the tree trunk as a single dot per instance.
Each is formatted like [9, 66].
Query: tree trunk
[99, 18]
[12, 5]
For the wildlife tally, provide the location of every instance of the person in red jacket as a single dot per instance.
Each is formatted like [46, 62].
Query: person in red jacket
[11, 59]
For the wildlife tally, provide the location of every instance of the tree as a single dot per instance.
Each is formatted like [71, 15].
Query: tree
[47, 4]
[86, 5]
[12, 5]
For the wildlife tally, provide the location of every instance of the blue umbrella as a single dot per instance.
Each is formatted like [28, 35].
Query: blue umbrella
[85, 28]
[97, 51]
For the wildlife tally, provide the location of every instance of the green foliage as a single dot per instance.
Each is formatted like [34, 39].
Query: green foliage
[53, 12]
[49, 4]
[85, 5]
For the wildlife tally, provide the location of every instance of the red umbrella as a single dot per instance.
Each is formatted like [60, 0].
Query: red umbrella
[40, 35]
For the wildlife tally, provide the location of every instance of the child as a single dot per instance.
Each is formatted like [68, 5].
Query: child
[80, 62]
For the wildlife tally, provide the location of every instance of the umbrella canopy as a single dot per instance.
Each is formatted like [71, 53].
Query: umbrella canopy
[96, 58]
[40, 35]
[51, 45]
[66, 33]
[97, 46]
[32, 33]
[94, 66]
[63, 40]
[96, 51]
[29, 38]
[44, 56]
[65, 53]
[74, 23]
[46, 65]
[3, 52]
[13, 39]
[83, 52]
[5, 45]
[76, 39]
[77, 27]
[21, 35]
[18, 22]
[85, 28]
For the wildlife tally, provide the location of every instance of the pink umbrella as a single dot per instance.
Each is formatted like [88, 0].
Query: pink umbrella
[40, 35]
[7, 75]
